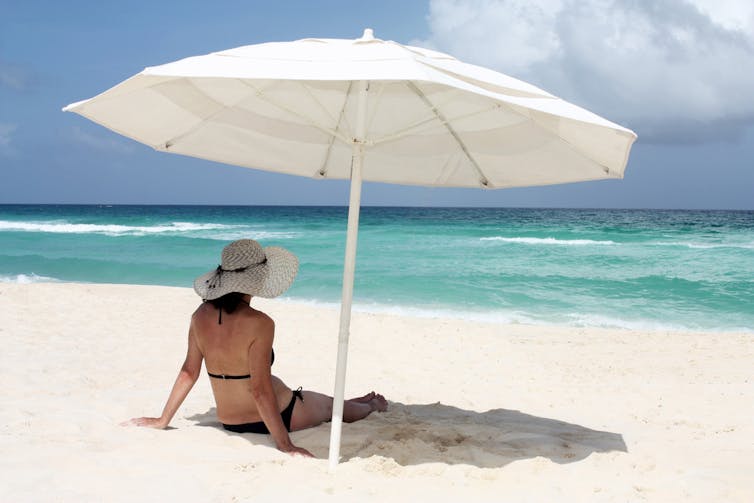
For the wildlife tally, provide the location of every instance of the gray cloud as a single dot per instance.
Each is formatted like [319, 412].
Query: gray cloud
[673, 70]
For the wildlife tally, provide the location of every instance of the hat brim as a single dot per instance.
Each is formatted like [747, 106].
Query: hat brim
[267, 280]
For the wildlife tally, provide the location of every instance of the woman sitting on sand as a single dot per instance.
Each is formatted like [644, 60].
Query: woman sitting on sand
[236, 341]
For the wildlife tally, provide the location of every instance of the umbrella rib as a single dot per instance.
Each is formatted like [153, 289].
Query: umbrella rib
[175, 139]
[376, 101]
[309, 120]
[322, 171]
[333, 134]
[483, 181]
[315, 100]
[416, 126]
[402, 132]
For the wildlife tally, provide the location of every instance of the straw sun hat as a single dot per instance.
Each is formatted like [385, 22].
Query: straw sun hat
[248, 268]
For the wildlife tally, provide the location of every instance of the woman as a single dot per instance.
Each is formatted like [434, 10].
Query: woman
[236, 342]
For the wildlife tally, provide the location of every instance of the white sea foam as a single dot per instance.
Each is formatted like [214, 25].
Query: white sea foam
[549, 241]
[63, 227]
[25, 279]
[513, 317]
[592, 320]
[590, 242]
[252, 234]
[517, 317]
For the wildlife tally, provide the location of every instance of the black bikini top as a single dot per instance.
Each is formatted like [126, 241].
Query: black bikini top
[247, 376]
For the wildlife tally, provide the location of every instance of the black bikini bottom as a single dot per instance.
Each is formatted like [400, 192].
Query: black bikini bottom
[259, 426]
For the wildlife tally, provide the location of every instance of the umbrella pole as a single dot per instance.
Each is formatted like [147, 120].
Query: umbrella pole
[349, 267]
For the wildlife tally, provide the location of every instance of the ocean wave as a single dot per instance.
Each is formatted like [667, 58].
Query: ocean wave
[705, 246]
[25, 279]
[63, 227]
[549, 241]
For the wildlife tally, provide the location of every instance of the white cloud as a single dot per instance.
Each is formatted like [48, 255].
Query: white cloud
[730, 14]
[6, 131]
[110, 144]
[483, 31]
[13, 77]
[673, 70]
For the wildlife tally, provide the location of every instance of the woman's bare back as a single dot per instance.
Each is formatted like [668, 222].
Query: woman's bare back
[226, 348]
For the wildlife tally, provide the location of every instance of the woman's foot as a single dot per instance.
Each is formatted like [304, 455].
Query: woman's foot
[364, 399]
[355, 410]
[374, 400]
[378, 403]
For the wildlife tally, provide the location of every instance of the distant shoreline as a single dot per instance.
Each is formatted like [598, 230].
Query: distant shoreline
[371, 309]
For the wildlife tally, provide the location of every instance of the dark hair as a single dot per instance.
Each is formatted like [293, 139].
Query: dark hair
[228, 302]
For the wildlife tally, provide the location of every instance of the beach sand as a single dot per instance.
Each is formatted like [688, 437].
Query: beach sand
[482, 412]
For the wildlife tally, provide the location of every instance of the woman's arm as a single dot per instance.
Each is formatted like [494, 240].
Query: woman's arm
[187, 376]
[262, 391]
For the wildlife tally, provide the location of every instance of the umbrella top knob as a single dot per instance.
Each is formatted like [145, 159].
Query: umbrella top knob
[368, 34]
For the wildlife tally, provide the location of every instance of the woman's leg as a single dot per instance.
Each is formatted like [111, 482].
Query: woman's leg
[316, 409]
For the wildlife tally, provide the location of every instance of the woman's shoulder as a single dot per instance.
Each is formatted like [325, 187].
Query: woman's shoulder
[253, 319]
[203, 310]
[257, 316]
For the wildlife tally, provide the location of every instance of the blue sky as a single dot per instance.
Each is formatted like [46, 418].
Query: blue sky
[678, 72]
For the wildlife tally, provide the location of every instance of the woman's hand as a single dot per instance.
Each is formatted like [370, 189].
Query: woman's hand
[296, 451]
[149, 422]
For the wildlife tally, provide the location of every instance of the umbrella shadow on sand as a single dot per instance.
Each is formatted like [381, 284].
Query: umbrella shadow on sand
[435, 433]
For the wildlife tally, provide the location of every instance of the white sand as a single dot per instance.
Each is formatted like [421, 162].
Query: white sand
[481, 412]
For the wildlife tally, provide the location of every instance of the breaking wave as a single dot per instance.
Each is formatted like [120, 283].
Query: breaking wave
[549, 241]
[25, 279]
[706, 246]
[63, 227]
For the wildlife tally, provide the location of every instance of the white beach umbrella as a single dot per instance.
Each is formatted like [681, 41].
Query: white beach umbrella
[364, 109]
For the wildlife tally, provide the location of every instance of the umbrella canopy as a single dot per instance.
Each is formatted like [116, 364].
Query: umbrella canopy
[292, 107]
[364, 109]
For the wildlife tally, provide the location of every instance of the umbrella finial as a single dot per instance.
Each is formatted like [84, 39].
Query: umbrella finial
[368, 34]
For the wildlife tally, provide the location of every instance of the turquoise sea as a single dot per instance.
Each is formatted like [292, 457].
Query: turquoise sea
[614, 268]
